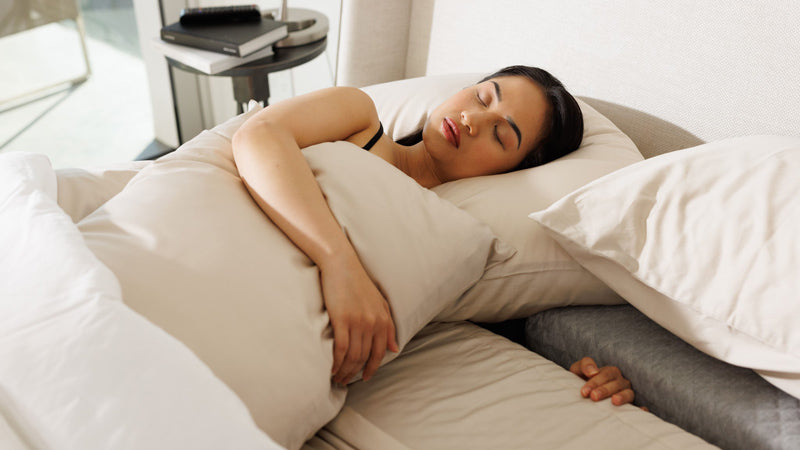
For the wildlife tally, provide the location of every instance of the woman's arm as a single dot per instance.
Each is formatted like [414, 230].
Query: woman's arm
[266, 150]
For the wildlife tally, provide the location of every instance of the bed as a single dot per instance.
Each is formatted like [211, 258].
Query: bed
[670, 75]
[151, 304]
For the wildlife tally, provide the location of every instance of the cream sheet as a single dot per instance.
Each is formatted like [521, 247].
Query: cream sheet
[460, 386]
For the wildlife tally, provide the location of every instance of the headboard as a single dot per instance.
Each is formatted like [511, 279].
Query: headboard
[670, 73]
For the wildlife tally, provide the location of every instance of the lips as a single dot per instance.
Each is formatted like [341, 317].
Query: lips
[451, 132]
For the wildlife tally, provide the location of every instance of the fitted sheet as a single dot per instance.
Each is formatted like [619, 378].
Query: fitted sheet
[457, 385]
[729, 406]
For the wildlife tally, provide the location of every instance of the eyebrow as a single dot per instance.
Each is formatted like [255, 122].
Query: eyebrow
[508, 118]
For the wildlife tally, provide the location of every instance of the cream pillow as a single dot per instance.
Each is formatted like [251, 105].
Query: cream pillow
[541, 275]
[704, 241]
[196, 256]
[81, 191]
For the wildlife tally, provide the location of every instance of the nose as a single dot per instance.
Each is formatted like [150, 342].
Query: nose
[475, 120]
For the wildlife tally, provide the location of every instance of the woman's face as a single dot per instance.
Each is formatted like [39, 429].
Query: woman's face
[485, 129]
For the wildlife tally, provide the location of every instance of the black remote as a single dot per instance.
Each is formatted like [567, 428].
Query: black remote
[220, 15]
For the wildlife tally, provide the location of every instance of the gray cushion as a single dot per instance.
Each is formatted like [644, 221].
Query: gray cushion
[728, 406]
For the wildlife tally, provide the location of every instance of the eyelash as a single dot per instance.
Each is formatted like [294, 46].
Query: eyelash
[496, 136]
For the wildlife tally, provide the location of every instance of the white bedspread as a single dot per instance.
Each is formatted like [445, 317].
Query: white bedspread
[78, 369]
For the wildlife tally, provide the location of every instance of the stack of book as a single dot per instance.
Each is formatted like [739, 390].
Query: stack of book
[215, 47]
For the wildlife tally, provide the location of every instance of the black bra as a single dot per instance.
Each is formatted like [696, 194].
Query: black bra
[374, 138]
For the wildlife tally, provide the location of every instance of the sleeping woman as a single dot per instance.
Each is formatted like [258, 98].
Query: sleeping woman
[516, 118]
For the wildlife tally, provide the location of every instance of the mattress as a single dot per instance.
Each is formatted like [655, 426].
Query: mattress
[457, 385]
[729, 406]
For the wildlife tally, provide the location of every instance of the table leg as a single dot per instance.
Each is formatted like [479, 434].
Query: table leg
[254, 87]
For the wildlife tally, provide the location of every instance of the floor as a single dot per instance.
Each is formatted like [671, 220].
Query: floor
[104, 119]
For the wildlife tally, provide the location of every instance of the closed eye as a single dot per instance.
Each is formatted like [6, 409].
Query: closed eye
[480, 100]
[497, 136]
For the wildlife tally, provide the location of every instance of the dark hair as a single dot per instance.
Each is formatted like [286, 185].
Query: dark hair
[563, 129]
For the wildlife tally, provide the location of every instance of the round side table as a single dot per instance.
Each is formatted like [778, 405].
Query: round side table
[251, 81]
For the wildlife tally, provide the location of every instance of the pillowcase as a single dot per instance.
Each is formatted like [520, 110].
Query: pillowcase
[78, 369]
[541, 275]
[81, 191]
[196, 256]
[704, 242]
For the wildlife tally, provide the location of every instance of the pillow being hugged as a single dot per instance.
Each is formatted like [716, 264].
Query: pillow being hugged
[81, 191]
[195, 255]
[422, 252]
[541, 275]
[703, 241]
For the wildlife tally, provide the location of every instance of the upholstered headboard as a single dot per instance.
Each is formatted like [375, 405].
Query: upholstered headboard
[670, 73]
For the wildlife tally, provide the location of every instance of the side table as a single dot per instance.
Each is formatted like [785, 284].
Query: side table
[251, 81]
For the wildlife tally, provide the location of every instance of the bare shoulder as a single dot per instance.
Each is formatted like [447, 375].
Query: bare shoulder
[329, 114]
[333, 99]
[350, 95]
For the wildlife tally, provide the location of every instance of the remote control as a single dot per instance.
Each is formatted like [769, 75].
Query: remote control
[220, 15]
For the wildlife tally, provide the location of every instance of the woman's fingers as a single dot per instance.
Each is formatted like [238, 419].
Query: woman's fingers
[391, 331]
[608, 389]
[603, 383]
[341, 343]
[623, 397]
[350, 365]
[368, 343]
[376, 356]
[362, 323]
[602, 377]
[384, 340]
[350, 357]
[585, 368]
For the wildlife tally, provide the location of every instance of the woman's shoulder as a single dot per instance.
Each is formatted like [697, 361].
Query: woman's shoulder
[329, 114]
[348, 95]
[358, 103]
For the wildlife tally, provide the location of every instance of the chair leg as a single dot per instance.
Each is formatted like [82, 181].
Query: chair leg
[53, 88]
[82, 33]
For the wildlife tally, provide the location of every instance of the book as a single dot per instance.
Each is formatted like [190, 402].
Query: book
[204, 60]
[237, 39]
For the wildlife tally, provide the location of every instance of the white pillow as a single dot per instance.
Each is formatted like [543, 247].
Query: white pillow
[541, 275]
[78, 369]
[195, 255]
[705, 242]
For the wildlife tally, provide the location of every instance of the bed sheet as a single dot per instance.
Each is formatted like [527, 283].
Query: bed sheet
[457, 385]
[729, 406]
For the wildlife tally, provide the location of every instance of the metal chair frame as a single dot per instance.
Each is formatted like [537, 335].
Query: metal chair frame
[60, 85]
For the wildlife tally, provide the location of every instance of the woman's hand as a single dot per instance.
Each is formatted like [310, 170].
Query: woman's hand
[603, 382]
[362, 322]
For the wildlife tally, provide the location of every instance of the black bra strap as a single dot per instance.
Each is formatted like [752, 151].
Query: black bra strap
[374, 138]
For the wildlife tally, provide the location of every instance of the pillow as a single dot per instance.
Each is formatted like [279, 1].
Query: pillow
[541, 275]
[81, 191]
[195, 255]
[78, 369]
[704, 242]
